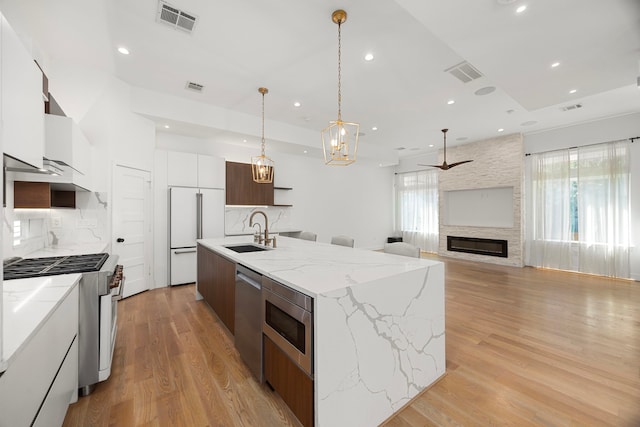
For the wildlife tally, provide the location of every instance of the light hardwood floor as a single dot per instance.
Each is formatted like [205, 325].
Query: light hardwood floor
[524, 347]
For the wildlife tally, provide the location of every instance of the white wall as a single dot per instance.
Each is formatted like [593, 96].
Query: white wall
[611, 129]
[354, 200]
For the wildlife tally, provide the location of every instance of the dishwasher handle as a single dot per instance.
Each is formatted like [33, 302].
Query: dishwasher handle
[249, 280]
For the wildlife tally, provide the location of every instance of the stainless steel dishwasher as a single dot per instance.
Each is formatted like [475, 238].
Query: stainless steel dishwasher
[248, 319]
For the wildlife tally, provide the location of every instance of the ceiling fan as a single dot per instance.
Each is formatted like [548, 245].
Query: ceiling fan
[444, 166]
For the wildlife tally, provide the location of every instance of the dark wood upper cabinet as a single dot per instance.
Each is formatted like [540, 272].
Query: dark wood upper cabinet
[39, 195]
[242, 190]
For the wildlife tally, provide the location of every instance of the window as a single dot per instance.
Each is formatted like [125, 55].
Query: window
[580, 209]
[417, 208]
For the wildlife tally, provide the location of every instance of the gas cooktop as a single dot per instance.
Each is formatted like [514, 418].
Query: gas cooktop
[49, 266]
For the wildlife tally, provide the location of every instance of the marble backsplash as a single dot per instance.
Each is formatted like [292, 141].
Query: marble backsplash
[28, 230]
[236, 219]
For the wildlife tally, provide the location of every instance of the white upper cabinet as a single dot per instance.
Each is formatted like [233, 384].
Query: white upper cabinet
[21, 103]
[211, 172]
[182, 169]
[195, 170]
[66, 144]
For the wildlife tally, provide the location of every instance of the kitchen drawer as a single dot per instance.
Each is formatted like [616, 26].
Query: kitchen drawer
[183, 266]
[24, 385]
[65, 385]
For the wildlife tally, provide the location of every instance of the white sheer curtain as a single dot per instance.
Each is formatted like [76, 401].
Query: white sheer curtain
[550, 245]
[580, 210]
[417, 208]
[604, 209]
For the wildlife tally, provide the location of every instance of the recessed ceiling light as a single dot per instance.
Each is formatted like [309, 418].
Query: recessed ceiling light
[521, 9]
[166, 126]
[485, 90]
[296, 104]
[555, 64]
[374, 128]
[244, 140]
[305, 151]
[123, 50]
[430, 145]
[450, 102]
[501, 130]
[368, 57]
[573, 90]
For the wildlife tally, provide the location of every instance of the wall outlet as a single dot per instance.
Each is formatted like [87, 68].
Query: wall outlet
[56, 222]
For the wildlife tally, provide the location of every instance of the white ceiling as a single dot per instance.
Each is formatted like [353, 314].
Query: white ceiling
[290, 46]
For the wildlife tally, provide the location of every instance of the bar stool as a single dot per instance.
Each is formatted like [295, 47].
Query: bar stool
[307, 235]
[342, 241]
[402, 248]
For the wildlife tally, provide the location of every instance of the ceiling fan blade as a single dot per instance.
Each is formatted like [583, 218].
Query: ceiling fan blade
[444, 166]
[459, 163]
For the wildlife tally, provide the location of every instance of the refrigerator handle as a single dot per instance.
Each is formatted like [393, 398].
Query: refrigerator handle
[198, 215]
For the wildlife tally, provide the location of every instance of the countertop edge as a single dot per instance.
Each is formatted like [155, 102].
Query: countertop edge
[6, 363]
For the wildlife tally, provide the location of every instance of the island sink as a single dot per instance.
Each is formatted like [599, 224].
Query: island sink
[246, 248]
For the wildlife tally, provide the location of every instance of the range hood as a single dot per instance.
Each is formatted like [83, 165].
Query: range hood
[11, 164]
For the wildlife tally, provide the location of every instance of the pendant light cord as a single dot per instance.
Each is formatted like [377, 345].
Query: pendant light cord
[339, 72]
[262, 124]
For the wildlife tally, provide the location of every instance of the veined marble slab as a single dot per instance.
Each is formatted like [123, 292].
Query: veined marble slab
[379, 333]
[70, 249]
[26, 305]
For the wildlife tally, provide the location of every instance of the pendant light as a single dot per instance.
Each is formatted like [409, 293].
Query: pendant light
[340, 138]
[262, 166]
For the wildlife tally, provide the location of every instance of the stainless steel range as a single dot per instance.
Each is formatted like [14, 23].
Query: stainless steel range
[101, 286]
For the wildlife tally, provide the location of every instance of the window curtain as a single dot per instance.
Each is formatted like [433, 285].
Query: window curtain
[604, 209]
[417, 208]
[580, 209]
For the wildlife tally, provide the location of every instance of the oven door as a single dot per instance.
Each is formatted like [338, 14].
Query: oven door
[289, 327]
[108, 331]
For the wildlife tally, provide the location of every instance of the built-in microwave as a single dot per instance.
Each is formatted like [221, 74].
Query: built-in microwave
[288, 322]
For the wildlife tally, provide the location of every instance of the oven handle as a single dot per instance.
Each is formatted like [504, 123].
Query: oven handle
[118, 296]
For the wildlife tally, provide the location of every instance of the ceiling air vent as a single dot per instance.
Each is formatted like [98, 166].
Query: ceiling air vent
[571, 107]
[194, 86]
[464, 72]
[176, 18]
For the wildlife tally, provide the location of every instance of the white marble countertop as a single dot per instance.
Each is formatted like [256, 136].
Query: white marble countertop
[378, 328]
[26, 305]
[70, 249]
[315, 268]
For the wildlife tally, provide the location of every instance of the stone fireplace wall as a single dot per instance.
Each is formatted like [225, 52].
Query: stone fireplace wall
[497, 162]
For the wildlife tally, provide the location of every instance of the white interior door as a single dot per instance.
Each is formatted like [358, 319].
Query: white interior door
[132, 234]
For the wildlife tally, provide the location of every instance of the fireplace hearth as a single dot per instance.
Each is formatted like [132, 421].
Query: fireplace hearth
[475, 245]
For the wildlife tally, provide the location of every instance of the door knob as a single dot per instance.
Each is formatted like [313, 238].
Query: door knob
[119, 240]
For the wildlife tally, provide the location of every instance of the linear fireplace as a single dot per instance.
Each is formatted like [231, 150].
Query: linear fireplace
[474, 245]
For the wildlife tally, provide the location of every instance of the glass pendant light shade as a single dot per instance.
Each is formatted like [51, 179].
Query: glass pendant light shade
[340, 143]
[262, 166]
[340, 138]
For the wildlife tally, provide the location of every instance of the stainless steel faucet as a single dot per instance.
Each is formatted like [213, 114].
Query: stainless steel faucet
[267, 239]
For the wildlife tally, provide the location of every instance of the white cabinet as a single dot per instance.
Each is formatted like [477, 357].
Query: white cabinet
[195, 170]
[39, 385]
[66, 144]
[211, 172]
[21, 104]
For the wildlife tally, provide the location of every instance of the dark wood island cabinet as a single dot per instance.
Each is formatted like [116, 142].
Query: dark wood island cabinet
[217, 283]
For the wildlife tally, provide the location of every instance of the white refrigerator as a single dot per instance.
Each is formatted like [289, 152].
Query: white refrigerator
[194, 213]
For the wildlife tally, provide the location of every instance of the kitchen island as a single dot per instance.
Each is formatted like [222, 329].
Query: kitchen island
[378, 334]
